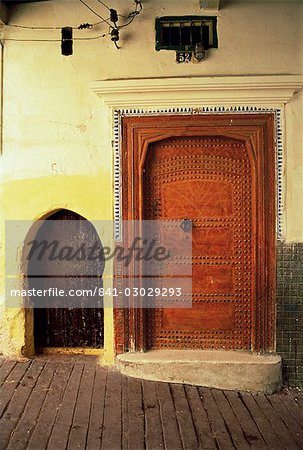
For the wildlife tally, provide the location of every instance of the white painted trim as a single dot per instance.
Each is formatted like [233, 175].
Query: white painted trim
[264, 90]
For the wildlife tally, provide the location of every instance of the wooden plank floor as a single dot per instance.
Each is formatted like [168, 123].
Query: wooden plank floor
[73, 403]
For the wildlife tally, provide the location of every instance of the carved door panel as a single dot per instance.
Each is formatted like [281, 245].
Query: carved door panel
[207, 180]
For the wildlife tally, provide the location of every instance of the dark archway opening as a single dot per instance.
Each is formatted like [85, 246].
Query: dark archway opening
[75, 319]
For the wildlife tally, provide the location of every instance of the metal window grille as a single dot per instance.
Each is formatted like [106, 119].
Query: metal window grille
[182, 33]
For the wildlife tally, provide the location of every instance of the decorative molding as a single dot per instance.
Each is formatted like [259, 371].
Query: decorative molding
[199, 95]
[267, 90]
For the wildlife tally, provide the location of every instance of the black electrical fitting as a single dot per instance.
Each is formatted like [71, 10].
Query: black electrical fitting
[67, 41]
[113, 15]
[115, 36]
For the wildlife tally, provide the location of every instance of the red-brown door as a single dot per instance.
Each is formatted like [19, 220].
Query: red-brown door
[209, 181]
[218, 171]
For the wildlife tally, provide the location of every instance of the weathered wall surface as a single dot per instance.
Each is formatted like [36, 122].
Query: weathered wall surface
[56, 136]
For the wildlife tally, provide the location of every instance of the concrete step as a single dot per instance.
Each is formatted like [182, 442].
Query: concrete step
[231, 370]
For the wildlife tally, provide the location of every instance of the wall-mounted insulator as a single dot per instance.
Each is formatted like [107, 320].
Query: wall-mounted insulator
[67, 41]
[84, 26]
[113, 15]
[115, 36]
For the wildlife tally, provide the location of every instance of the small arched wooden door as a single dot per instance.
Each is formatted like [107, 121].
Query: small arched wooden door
[70, 321]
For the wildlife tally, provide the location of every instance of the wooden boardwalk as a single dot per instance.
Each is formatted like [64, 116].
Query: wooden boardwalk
[73, 403]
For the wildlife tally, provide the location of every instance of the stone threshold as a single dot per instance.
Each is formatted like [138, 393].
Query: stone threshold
[230, 370]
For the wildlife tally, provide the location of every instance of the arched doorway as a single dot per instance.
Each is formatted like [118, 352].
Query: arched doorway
[218, 172]
[67, 257]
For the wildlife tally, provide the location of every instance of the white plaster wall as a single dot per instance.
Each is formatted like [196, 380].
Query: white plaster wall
[51, 117]
[50, 92]
[57, 148]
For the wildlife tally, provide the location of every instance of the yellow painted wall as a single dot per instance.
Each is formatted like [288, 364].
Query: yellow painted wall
[57, 149]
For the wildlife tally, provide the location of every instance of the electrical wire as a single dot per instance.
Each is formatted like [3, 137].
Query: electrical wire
[136, 12]
[131, 16]
[57, 40]
[32, 40]
[126, 24]
[90, 38]
[104, 4]
[50, 28]
[14, 25]
[98, 15]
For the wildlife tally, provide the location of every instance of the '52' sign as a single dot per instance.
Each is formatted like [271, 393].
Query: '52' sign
[183, 57]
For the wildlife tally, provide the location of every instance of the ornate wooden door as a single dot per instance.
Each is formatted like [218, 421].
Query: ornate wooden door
[218, 171]
[207, 180]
